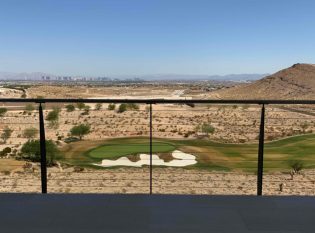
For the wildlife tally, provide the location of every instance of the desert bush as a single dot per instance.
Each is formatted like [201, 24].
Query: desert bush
[53, 117]
[70, 108]
[29, 108]
[86, 110]
[3, 111]
[30, 133]
[122, 108]
[5, 151]
[6, 134]
[98, 106]
[296, 166]
[111, 107]
[80, 106]
[205, 128]
[133, 106]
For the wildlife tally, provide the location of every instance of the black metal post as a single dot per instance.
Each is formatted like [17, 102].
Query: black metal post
[43, 164]
[150, 148]
[260, 165]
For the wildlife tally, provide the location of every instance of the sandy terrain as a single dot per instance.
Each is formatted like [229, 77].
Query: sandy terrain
[235, 124]
[232, 123]
[165, 180]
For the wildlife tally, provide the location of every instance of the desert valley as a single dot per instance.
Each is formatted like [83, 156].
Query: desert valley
[216, 144]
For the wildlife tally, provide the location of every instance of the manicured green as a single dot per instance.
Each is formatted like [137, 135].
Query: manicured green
[278, 156]
[112, 151]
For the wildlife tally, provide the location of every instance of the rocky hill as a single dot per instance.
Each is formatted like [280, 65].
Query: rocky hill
[296, 82]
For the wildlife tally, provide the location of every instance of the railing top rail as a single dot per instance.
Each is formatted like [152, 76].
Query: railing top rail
[158, 101]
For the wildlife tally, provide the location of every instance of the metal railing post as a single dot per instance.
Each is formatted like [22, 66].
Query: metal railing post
[43, 164]
[150, 148]
[260, 166]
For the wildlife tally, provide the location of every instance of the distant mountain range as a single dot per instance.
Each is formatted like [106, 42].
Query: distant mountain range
[174, 77]
[295, 82]
[153, 77]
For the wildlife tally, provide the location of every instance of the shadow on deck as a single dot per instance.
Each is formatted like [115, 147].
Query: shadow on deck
[157, 213]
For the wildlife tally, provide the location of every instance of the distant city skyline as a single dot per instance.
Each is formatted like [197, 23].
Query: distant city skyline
[141, 37]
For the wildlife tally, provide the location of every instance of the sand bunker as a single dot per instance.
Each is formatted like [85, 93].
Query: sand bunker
[181, 159]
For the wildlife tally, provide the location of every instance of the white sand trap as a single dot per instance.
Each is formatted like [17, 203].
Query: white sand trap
[181, 159]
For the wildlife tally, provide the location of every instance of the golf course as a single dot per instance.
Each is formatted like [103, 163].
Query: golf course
[278, 155]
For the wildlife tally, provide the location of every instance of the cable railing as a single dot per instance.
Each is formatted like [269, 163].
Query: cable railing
[234, 159]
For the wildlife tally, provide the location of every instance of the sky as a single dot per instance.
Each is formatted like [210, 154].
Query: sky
[140, 37]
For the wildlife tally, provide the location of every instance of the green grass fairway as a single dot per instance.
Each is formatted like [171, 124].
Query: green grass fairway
[210, 155]
[113, 151]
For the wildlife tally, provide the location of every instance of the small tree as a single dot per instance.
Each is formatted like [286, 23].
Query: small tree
[80, 130]
[6, 134]
[31, 151]
[122, 108]
[53, 117]
[207, 128]
[80, 105]
[29, 108]
[3, 111]
[111, 107]
[70, 108]
[30, 133]
[98, 106]
[296, 166]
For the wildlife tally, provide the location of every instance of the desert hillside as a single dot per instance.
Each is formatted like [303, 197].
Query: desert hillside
[296, 82]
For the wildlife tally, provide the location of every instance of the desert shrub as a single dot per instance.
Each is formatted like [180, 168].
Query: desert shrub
[133, 106]
[130, 106]
[296, 166]
[98, 106]
[3, 111]
[29, 108]
[6, 134]
[30, 133]
[5, 151]
[31, 151]
[53, 117]
[80, 106]
[86, 110]
[122, 108]
[70, 108]
[111, 107]
[205, 128]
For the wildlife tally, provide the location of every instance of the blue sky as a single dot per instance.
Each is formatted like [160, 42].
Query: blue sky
[136, 37]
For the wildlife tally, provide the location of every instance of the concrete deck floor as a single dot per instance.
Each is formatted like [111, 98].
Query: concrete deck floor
[32, 213]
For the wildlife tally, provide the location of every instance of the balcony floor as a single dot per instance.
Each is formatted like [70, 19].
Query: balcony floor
[32, 213]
